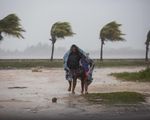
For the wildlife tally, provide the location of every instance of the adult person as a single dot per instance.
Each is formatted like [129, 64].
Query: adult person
[78, 65]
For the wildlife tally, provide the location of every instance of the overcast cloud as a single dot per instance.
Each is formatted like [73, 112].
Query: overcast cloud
[87, 17]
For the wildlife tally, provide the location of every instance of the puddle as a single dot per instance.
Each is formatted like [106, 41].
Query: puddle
[13, 100]
[17, 87]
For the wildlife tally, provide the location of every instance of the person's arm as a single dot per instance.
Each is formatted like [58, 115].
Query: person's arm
[81, 51]
[92, 65]
[65, 59]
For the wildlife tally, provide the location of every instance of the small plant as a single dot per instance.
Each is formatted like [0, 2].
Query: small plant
[115, 98]
[141, 76]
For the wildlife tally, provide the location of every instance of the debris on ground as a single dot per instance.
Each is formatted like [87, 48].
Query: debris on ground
[17, 87]
[54, 100]
[38, 69]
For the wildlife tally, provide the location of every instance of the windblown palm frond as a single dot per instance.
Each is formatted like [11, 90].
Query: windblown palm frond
[10, 25]
[61, 30]
[111, 32]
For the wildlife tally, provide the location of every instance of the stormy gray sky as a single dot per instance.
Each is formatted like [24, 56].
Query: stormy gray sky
[87, 17]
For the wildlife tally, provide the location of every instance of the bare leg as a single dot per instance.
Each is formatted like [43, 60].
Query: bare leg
[82, 86]
[69, 89]
[86, 86]
[74, 85]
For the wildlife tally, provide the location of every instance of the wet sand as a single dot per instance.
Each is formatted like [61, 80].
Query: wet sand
[27, 95]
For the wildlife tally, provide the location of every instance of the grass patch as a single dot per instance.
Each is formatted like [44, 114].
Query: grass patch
[29, 63]
[58, 63]
[115, 98]
[141, 76]
[120, 62]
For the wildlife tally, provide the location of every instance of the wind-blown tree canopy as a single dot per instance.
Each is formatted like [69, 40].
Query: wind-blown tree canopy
[60, 30]
[10, 25]
[147, 45]
[110, 32]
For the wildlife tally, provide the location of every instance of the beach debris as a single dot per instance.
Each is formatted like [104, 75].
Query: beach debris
[17, 87]
[54, 100]
[37, 69]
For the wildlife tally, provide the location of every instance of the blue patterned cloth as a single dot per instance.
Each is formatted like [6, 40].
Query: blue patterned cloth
[85, 62]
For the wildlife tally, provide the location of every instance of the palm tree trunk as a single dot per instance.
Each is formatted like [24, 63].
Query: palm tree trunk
[1, 37]
[147, 49]
[52, 53]
[101, 51]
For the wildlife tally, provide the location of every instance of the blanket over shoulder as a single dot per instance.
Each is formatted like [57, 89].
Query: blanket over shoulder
[86, 64]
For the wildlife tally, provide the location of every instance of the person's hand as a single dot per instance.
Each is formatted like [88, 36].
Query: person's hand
[67, 69]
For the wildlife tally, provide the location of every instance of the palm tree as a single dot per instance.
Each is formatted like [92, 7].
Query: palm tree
[110, 32]
[10, 25]
[147, 46]
[59, 30]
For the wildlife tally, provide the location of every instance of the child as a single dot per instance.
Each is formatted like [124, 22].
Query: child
[88, 66]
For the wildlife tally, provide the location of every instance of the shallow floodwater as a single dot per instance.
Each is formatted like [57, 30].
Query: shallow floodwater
[27, 95]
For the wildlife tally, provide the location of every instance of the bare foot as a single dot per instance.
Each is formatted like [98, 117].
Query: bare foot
[86, 92]
[73, 92]
[81, 92]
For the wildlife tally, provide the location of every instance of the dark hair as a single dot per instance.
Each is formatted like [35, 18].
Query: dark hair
[74, 47]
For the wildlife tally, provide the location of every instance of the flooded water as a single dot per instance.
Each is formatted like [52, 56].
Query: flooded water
[28, 95]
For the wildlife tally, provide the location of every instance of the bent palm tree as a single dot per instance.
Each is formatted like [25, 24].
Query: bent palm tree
[110, 32]
[147, 46]
[59, 30]
[10, 25]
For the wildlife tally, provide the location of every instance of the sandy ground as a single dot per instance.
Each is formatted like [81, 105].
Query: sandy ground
[33, 99]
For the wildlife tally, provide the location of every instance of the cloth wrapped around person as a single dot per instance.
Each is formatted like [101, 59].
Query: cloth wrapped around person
[84, 68]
